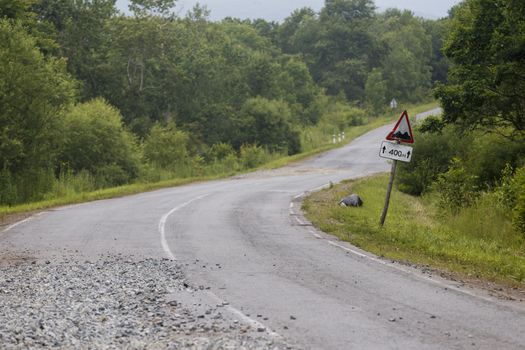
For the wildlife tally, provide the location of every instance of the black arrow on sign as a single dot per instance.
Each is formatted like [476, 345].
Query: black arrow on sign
[384, 149]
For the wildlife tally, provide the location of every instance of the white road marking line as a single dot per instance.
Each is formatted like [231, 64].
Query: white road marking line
[278, 191]
[17, 223]
[319, 188]
[165, 246]
[355, 252]
[245, 319]
[162, 226]
[409, 272]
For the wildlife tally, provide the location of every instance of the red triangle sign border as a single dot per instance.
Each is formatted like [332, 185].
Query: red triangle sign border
[402, 137]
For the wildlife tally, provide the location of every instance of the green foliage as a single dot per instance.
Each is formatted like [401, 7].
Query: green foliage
[220, 151]
[82, 37]
[456, 188]
[268, 123]
[486, 86]
[432, 125]
[483, 156]
[151, 7]
[15, 9]
[166, 147]
[235, 82]
[519, 209]
[34, 91]
[432, 155]
[69, 184]
[437, 30]
[339, 116]
[252, 156]
[488, 154]
[511, 194]
[406, 67]
[96, 141]
[376, 91]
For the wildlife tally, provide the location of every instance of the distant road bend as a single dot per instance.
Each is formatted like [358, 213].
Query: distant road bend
[245, 241]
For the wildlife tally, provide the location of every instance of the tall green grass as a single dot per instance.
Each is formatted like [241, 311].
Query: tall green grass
[477, 242]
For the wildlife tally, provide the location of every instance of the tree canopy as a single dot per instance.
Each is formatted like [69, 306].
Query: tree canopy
[86, 89]
[486, 87]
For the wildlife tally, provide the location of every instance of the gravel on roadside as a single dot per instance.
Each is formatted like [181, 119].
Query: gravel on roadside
[113, 303]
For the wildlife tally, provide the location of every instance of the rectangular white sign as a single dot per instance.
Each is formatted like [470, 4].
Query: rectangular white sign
[391, 150]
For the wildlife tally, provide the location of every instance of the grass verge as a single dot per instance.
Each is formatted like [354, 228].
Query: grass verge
[417, 233]
[135, 188]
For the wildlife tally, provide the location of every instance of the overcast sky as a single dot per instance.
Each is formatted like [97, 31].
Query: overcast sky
[277, 10]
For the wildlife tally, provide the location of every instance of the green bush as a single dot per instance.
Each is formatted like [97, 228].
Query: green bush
[252, 156]
[432, 155]
[34, 91]
[340, 116]
[456, 188]
[96, 141]
[519, 210]
[219, 151]
[488, 155]
[67, 184]
[167, 147]
[111, 175]
[8, 190]
[268, 123]
[511, 194]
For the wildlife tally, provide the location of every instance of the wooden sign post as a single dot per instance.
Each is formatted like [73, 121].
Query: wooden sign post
[402, 132]
[388, 192]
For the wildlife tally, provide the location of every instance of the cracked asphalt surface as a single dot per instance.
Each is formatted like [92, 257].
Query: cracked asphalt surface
[240, 248]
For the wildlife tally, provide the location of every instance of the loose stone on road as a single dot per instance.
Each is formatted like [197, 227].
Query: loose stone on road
[113, 303]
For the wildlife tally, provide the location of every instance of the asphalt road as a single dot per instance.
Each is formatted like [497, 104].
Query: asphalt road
[245, 239]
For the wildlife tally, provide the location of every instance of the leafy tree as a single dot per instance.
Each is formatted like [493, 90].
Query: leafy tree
[376, 90]
[82, 37]
[34, 91]
[456, 187]
[439, 63]
[346, 49]
[16, 9]
[152, 7]
[288, 35]
[166, 147]
[266, 29]
[434, 153]
[299, 90]
[486, 87]
[267, 123]
[97, 141]
[406, 68]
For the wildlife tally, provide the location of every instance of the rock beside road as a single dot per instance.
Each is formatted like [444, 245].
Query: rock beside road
[351, 201]
[113, 303]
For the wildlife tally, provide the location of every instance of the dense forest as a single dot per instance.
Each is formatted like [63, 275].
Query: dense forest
[92, 98]
[472, 159]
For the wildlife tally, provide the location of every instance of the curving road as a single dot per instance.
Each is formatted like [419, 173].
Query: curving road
[246, 241]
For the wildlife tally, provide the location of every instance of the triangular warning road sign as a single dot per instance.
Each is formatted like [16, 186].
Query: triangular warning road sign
[402, 131]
